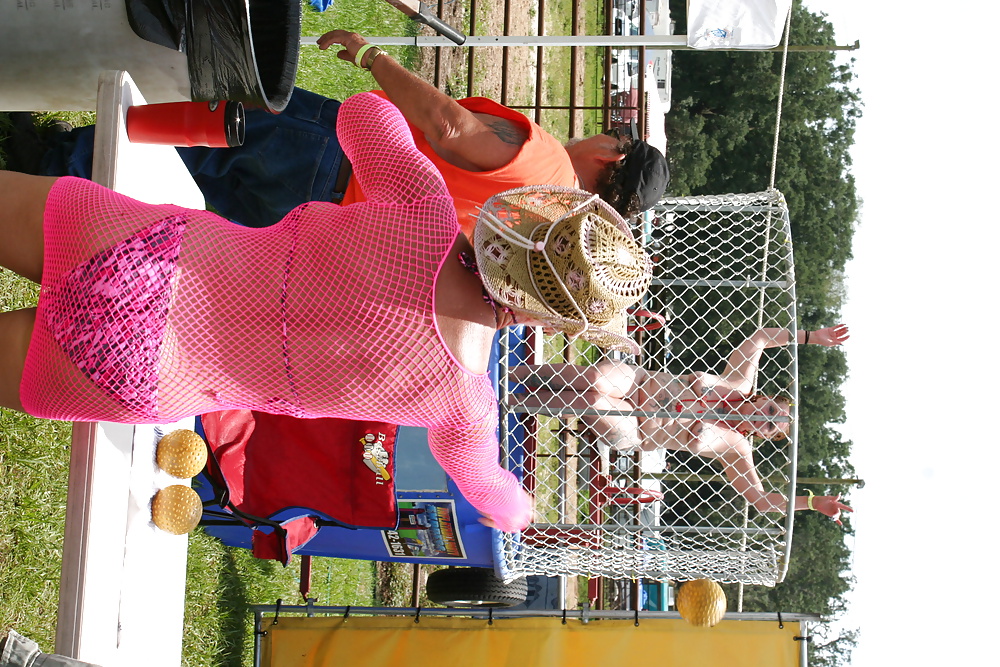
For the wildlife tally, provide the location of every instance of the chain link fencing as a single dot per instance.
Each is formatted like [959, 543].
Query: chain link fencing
[603, 443]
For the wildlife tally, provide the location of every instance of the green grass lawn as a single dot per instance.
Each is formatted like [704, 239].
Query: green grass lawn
[222, 582]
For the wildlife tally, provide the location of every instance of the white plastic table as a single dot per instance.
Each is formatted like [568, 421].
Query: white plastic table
[121, 596]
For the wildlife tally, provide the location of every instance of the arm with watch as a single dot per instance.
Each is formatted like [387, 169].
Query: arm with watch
[741, 368]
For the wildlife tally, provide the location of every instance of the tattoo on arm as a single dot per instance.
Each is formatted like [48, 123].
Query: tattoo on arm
[617, 439]
[663, 398]
[705, 386]
[506, 131]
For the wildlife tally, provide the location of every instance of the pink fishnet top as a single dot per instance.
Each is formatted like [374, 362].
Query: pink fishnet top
[328, 313]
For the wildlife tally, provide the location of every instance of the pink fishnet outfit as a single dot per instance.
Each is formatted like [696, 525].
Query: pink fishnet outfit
[153, 313]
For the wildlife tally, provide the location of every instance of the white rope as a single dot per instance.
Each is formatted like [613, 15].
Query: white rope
[760, 310]
[505, 232]
[781, 96]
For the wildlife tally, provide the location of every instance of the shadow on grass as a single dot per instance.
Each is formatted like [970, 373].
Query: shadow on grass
[235, 615]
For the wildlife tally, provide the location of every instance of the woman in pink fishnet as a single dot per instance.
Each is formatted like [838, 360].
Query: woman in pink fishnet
[371, 311]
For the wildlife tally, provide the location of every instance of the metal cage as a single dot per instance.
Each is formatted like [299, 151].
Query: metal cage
[723, 268]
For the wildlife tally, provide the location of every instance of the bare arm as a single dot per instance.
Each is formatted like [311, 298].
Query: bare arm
[737, 463]
[736, 455]
[367, 124]
[467, 140]
[741, 369]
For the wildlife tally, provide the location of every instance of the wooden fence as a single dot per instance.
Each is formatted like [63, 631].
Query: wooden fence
[528, 78]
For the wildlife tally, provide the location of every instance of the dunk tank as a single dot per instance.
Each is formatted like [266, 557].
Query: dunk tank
[723, 267]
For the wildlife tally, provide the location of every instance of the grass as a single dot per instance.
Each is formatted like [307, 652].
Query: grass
[222, 582]
[34, 466]
[322, 72]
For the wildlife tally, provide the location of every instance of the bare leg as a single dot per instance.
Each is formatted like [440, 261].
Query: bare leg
[618, 431]
[22, 209]
[555, 399]
[617, 379]
[15, 334]
[612, 378]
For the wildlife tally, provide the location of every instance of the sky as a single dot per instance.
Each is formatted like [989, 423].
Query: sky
[921, 308]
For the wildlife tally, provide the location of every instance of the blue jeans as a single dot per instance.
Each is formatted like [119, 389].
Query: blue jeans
[287, 159]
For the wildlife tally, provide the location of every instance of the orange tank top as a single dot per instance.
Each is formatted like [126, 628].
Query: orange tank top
[542, 160]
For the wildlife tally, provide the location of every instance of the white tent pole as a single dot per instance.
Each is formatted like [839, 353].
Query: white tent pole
[676, 42]
[529, 40]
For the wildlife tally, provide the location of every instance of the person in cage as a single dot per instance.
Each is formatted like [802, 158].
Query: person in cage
[716, 414]
[375, 311]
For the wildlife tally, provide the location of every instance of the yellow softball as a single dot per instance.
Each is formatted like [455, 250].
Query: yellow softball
[181, 453]
[176, 509]
[701, 602]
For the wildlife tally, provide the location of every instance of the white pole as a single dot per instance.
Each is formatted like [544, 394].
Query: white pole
[676, 42]
[625, 41]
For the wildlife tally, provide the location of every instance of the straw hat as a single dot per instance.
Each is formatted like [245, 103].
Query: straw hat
[565, 258]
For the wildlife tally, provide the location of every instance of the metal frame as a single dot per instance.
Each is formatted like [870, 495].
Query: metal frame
[754, 549]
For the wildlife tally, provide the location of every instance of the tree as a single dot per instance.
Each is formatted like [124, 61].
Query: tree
[722, 138]
[817, 580]
[828, 651]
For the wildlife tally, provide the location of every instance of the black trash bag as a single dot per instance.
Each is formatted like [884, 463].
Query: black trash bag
[239, 50]
[162, 22]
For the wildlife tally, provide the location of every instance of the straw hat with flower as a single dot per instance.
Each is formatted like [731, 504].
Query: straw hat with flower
[565, 258]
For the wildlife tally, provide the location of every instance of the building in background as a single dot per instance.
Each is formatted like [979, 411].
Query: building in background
[654, 67]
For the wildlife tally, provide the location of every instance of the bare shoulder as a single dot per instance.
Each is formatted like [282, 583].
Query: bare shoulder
[481, 143]
[465, 322]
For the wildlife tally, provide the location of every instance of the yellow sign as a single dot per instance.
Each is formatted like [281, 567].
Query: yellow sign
[525, 642]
